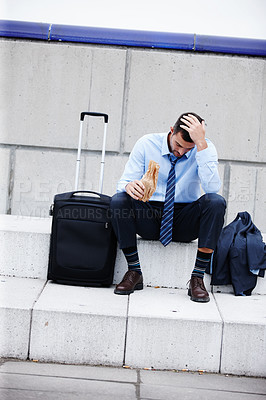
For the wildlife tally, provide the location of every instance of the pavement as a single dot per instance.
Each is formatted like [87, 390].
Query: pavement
[32, 380]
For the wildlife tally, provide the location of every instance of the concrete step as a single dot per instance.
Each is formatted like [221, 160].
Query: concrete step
[155, 328]
[24, 245]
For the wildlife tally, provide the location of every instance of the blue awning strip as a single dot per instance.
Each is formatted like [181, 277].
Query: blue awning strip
[22, 29]
[125, 37]
[256, 47]
[122, 37]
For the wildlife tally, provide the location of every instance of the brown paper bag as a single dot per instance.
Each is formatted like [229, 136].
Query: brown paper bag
[150, 179]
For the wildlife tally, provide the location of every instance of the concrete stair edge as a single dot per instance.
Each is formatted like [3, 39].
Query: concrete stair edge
[30, 260]
[67, 324]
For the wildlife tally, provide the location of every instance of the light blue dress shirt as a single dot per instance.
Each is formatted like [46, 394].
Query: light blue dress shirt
[192, 170]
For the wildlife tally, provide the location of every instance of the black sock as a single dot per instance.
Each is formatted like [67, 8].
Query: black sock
[131, 254]
[202, 262]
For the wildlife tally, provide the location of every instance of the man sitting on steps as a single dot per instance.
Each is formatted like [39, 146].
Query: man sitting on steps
[175, 212]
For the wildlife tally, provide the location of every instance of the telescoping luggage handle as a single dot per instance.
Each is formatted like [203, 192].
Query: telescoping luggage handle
[82, 116]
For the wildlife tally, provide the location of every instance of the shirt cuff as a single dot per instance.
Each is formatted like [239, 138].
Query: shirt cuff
[121, 187]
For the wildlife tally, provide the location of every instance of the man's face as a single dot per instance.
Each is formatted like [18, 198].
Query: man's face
[177, 145]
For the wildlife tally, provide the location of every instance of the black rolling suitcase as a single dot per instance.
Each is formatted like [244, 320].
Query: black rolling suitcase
[83, 244]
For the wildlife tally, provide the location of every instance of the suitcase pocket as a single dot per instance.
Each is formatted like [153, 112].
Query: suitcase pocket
[82, 245]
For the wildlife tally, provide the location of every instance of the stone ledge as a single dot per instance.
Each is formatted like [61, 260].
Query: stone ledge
[30, 260]
[17, 297]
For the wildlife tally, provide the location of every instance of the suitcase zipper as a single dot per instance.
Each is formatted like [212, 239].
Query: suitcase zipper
[93, 208]
[104, 224]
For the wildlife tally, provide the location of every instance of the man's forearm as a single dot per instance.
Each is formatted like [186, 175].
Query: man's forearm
[207, 161]
[201, 145]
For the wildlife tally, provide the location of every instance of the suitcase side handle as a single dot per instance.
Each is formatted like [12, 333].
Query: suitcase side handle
[94, 114]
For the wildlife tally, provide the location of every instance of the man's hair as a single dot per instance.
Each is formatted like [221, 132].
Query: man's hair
[184, 134]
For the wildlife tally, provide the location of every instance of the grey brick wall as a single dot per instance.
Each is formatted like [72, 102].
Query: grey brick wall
[45, 86]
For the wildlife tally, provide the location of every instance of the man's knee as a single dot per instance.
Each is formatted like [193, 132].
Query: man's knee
[119, 200]
[214, 201]
[121, 206]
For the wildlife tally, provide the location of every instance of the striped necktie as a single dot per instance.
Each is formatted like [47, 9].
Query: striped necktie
[168, 211]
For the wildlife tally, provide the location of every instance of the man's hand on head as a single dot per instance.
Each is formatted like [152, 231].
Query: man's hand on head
[196, 130]
[135, 189]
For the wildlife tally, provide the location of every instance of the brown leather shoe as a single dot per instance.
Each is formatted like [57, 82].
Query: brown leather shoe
[131, 281]
[197, 290]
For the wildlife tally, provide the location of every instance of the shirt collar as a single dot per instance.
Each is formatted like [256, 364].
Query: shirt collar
[165, 148]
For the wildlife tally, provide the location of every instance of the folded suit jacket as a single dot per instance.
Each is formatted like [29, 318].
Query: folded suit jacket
[240, 256]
